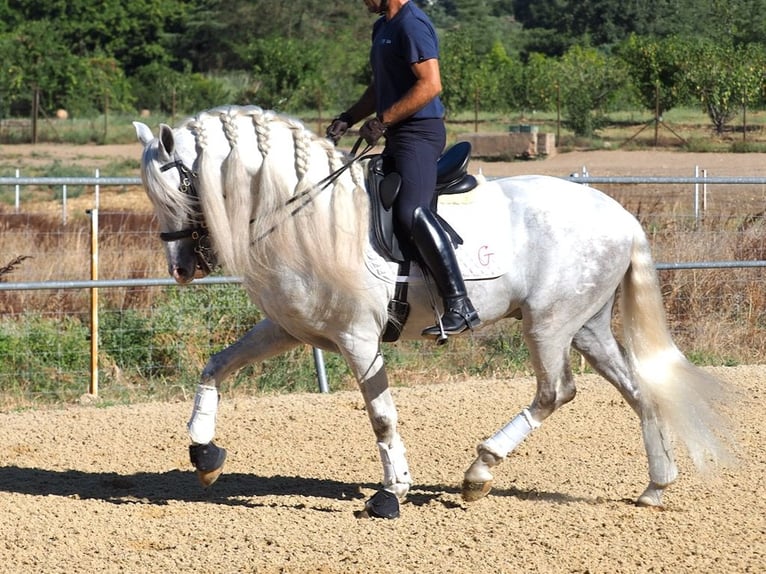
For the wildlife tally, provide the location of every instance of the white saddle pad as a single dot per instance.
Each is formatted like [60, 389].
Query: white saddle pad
[480, 217]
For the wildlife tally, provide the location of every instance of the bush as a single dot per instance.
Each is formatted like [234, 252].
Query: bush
[44, 357]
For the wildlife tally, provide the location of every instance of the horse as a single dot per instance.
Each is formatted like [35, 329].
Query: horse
[238, 186]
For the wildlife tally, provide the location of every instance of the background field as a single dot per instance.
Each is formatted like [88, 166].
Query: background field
[155, 341]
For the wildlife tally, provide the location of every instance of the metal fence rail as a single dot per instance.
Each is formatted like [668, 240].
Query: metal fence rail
[94, 284]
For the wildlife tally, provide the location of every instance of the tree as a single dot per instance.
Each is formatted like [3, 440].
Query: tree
[537, 89]
[288, 72]
[496, 79]
[725, 78]
[36, 59]
[656, 67]
[588, 79]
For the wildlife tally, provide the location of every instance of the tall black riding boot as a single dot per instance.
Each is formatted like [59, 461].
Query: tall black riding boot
[438, 255]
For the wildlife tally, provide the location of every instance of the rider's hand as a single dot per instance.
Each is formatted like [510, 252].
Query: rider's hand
[372, 131]
[338, 127]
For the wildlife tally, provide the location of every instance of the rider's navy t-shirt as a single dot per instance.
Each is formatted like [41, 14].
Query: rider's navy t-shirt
[398, 43]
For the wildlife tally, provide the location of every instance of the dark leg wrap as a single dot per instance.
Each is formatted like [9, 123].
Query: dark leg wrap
[383, 504]
[207, 457]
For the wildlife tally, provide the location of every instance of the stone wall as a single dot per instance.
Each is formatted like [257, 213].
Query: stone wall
[511, 145]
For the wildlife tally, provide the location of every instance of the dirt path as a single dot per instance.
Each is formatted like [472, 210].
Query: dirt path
[601, 162]
[86, 489]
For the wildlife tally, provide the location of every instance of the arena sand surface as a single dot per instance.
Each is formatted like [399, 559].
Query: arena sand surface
[110, 489]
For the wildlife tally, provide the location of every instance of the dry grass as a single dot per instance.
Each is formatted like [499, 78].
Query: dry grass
[46, 249]
[717, 316]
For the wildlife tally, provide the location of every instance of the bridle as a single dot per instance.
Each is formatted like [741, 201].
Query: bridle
[198, 231]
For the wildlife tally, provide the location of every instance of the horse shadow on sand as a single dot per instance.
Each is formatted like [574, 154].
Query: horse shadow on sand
[236, 489]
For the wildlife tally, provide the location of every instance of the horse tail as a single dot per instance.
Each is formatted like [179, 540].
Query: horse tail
[685, 397]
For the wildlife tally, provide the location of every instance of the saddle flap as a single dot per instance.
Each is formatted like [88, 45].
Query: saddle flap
[382, 191]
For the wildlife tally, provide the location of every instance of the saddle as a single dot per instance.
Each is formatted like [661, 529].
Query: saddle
[451, 178]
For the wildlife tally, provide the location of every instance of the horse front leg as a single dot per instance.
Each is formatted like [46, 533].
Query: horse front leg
[373, 383]
[264, 340]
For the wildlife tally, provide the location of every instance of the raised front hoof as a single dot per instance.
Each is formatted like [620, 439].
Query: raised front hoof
[473, 491]
[382, 504]
[208, 459]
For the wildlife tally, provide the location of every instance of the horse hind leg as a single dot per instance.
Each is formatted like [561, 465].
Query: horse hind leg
[477, 481]
[555, 387]
[596, 342]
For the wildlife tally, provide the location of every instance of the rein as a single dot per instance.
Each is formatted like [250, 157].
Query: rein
[319, 186]
[199, 232]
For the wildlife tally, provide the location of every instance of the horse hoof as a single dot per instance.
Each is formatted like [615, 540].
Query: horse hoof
[651, 497]
[207, 478]
[649, 502]
[382, 504]
[473, 491]
[208, 459]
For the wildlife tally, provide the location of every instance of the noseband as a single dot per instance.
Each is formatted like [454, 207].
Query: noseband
[198, 232]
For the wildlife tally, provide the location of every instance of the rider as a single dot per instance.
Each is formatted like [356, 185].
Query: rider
[404, 95]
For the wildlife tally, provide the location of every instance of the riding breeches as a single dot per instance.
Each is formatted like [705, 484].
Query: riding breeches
[412, 149]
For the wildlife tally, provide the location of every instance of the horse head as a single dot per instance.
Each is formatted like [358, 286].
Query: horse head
[171, 184]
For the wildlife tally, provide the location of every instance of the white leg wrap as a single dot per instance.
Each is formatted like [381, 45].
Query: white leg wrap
[201, 426]
[511, 435]
[395, 467]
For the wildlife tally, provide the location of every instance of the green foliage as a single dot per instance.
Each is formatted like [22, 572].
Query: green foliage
[725, 78]
[656, 67]
[498, 56]
[537, 90]
[44, 356]
[287, 71]
[588, 79]
[35, 57]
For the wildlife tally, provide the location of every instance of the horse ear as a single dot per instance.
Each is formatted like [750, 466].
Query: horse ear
[166, 139]
[143, 133]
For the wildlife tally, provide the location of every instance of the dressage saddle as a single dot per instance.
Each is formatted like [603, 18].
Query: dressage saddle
[451, 178]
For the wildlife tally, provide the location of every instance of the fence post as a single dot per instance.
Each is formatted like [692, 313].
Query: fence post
[63, 204]
[321, 373]
[93, 388]
[696, 198]
[18, 192]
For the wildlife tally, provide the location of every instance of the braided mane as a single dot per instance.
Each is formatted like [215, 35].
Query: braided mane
[251, 163]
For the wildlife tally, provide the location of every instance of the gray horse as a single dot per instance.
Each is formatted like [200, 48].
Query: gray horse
[239, 184]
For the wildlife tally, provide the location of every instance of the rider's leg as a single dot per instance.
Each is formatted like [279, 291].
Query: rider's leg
[412, 149]
[436, 252]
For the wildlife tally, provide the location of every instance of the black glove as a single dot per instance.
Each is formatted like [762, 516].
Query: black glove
[338, 127]
[372, 131]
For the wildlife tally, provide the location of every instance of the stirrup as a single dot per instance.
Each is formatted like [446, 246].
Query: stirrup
[460, 322]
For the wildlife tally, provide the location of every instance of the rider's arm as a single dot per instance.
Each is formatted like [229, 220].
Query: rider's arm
[427, 86]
